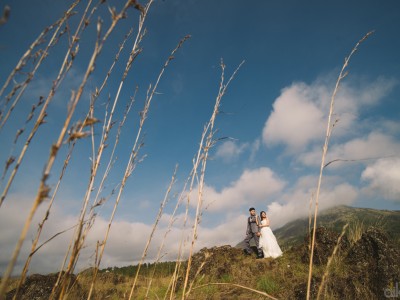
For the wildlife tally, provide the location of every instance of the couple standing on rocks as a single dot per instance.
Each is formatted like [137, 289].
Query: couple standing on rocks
[259, 230]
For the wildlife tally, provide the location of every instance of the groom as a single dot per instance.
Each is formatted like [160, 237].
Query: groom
[252, 232]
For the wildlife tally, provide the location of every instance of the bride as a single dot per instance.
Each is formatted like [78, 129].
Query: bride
[267, 239]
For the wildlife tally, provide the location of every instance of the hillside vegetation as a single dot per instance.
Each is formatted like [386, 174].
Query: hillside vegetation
[365, 266]
[335, 218]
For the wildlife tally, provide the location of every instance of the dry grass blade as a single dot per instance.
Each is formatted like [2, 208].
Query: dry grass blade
[174, 278]
[329, 129]
[206, 257]
[360, 159]
[135, 149]
[202, 156]
[42, 115]
[81, 233]
[163, 203]
[171, 222]
[43, 54]
[9, 162]
[79, 239]
[326, 273]
[35, 241]
[43, 186]
[91, 122]
[23, 60]
[98, 48]
[310, 216]
[111, 160]
[237, 285]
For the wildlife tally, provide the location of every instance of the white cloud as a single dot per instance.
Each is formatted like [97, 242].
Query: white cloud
[253, 187]
[372, 93]
[13, 214]
[230, 150]
[126, 241]
[295, 119]
[125, 245]
[299, 115]
[231, 232]
[374, 145]
[383, 177]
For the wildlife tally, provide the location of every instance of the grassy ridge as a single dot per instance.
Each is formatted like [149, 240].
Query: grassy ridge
[335, 218]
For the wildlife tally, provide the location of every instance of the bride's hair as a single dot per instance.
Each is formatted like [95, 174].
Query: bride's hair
[262, 213]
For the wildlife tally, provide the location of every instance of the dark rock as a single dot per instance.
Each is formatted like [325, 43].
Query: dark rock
[346, 288]
[375, 261]
[300, 290]
[216, 261]
[37, 287]
[325, 242]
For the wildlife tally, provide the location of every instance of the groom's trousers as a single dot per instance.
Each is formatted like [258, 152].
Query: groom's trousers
[250, 236]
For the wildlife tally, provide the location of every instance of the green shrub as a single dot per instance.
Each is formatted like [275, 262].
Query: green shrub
[267, 284]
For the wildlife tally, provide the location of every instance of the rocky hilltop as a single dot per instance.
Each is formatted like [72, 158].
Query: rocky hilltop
[366, 266]
[362, 269]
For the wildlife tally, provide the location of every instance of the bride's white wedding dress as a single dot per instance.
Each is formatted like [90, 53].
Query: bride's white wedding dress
[268, 242]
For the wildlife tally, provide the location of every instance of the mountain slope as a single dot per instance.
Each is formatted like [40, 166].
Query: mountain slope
[335, 218]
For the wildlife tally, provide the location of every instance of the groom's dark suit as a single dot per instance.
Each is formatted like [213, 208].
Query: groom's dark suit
[252, 233]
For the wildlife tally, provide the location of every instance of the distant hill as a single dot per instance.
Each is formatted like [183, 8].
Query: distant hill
[336, 217]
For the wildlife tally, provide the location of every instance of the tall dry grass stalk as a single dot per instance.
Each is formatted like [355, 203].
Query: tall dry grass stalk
[158, 257]
[310, 215]
[89, 121]
[29, 55]
[97, 202]
[43, 188]
[66, 65]
[182, 244]
[238, 286]
[74, 134]
[208, 141]
[131, 164]
[206, 257]
[201, 156]
[329, 129]
[20, 131]
[146, 248]
[44, 53]
[184, 194]
[80, 233]
[107, 126]
[137, 145]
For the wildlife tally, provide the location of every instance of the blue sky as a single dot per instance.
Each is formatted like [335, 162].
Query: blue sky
[274, 113]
